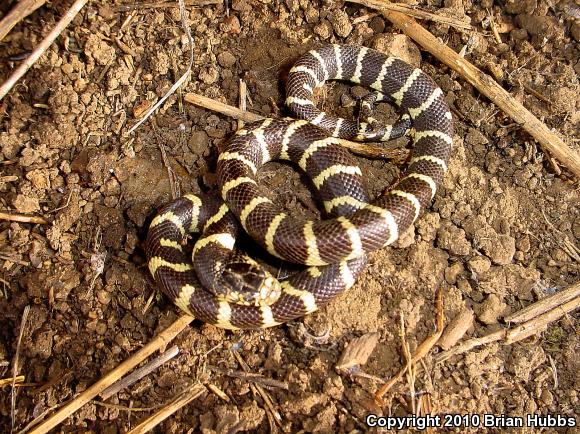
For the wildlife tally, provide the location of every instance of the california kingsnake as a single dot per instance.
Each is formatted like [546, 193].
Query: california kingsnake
[335, 249]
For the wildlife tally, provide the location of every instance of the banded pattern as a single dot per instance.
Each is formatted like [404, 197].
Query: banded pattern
[198, 289]
[335, 249]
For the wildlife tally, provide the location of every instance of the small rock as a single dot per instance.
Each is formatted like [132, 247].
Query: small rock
[452, 272]
[324, 29]
[39, 178]
[520, 6]
[500, 248]
[479, 264]
[575, 30]
[406, 238]
[340, 23]
[377, 24]
[103, 296]
[547, 397]
[546, 27]
[198, 142]
[475, 137]
[400, 46]
[209, 75]
[25, 204]
[241, 6]
[490, 310]
[231, 25]
[99, 50]
[311, 14]
[452, 239]
[226, 59]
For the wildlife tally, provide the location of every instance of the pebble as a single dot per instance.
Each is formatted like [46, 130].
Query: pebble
[25, 204]
[340, 23]
[479, 264]
[226, 59]
[231, 25]
[209, 75]
[241, 6]
[489, 311]
[311, 14]
[452, 272]
[324, 29]
[198, 142]
[400, 46]
[377, 24]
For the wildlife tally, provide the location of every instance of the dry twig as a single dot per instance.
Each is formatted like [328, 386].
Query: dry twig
[21, 218]
[38, 51]
[11, 381]
[257, 389]
[165, 5]
[549, 309]
[234, 112]
[15, 364]
[252, 377]
[139, 373]
[422, 349]
[423, 15]
[551, 142]
[181, 400]
[243, 101]
[20, 11]
[159, 341]
[544, 305]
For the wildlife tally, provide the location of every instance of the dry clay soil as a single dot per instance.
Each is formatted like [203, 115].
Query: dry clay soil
[502, 233]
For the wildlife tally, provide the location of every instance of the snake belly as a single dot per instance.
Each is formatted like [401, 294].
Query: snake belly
[334, 249]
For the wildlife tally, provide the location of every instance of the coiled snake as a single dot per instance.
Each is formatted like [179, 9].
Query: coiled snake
[231, 291]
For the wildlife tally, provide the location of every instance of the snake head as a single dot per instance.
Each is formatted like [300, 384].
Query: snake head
[247, 283]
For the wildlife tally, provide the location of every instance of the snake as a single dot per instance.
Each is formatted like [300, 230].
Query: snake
[229, 290]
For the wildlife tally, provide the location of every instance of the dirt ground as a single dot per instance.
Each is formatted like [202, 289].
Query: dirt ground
[502, 233]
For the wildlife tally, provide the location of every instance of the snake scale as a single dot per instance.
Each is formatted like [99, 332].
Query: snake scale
[221, 287]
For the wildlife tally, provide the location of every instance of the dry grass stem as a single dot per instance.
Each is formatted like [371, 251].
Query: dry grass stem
[243, 101]
[257, 389]
[544, 305]
[21, 218]
[159, 341]
[420, 14]
[236, 113]
[220, 107]
[252, 377]
[15, 260]
[15, 365]
[12, 381]
[180, 401]
[540, 323]
[39, 51]
[218, 392]
[422, 349]
[165, 5]
[139, 373]
[557, 309]
[18, 12]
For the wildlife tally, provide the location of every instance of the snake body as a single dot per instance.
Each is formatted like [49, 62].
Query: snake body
[334, 249]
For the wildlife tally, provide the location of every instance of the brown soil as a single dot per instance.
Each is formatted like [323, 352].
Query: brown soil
[498, 236]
